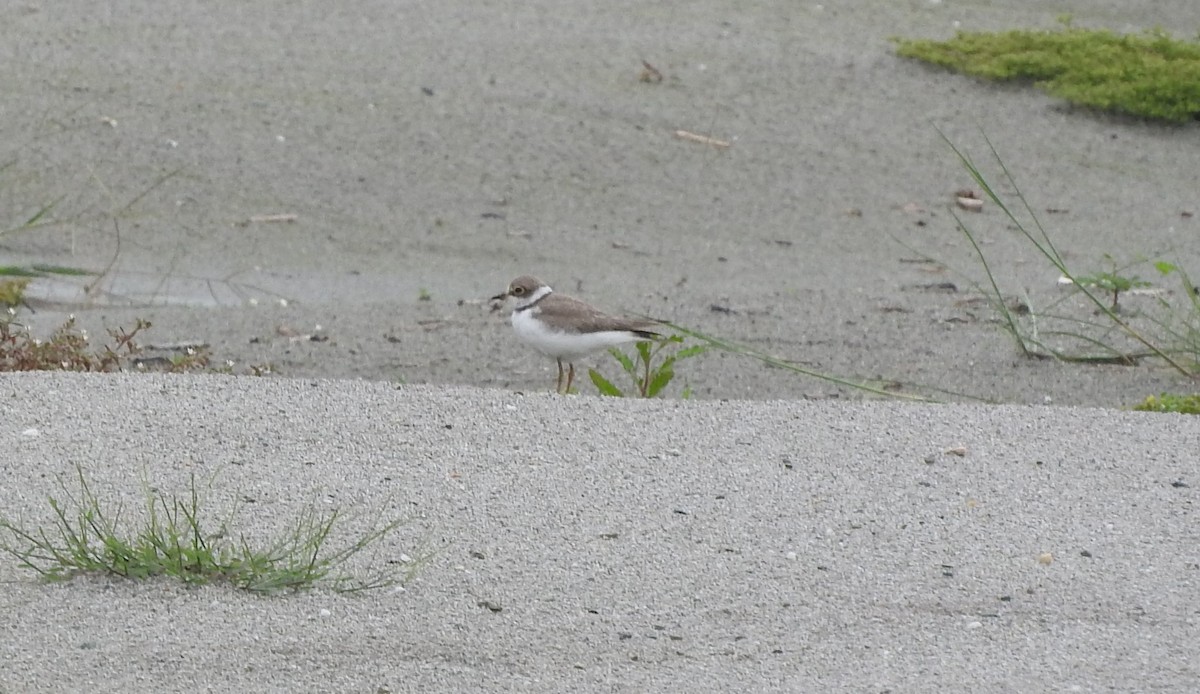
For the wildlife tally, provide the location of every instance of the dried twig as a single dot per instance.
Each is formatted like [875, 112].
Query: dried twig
[266, 218]
[702, 139]
[650, 74]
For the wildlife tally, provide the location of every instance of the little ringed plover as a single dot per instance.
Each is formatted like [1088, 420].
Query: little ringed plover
[565, 328]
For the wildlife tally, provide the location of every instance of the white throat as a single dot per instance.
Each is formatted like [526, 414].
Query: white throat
[534, 297]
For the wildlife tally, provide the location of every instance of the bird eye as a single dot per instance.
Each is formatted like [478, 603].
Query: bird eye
[518, 291]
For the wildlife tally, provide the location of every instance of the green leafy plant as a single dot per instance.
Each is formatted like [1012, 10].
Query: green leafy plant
[176, 538]
[648, 376]
[1150, 75]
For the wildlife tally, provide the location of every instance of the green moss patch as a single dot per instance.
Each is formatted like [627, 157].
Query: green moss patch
[1150, 75]
[1167, 402]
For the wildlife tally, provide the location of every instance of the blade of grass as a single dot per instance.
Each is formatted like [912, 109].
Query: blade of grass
[733, 348]
[16, 271]
[1046, 247]
[60, 270]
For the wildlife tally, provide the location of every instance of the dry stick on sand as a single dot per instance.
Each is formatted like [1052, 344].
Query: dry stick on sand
[702, 139]
[650, 74]
[268, 218]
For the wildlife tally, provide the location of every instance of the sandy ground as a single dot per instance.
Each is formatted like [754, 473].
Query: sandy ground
[425, 154]
[582, 544]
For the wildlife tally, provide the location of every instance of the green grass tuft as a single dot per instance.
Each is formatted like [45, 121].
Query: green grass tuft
[1150, 75]
[176, 538]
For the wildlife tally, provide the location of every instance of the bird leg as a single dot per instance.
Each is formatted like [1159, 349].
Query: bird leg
[570, 378]
[558, 385]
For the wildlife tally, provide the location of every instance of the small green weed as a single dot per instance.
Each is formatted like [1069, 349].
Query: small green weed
[177, 539]
[1111, 281]
[12, 292]
[648, 377]
[1150, 75]
[1168, 402]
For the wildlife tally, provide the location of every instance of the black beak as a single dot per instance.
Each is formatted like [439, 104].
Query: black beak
[499, 297]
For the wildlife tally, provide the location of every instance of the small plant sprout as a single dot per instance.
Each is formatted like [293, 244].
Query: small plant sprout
[1112, 281]
[424, 295]
[648, 377]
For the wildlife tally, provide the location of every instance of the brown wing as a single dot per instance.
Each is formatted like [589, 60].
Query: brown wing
[567, 310]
